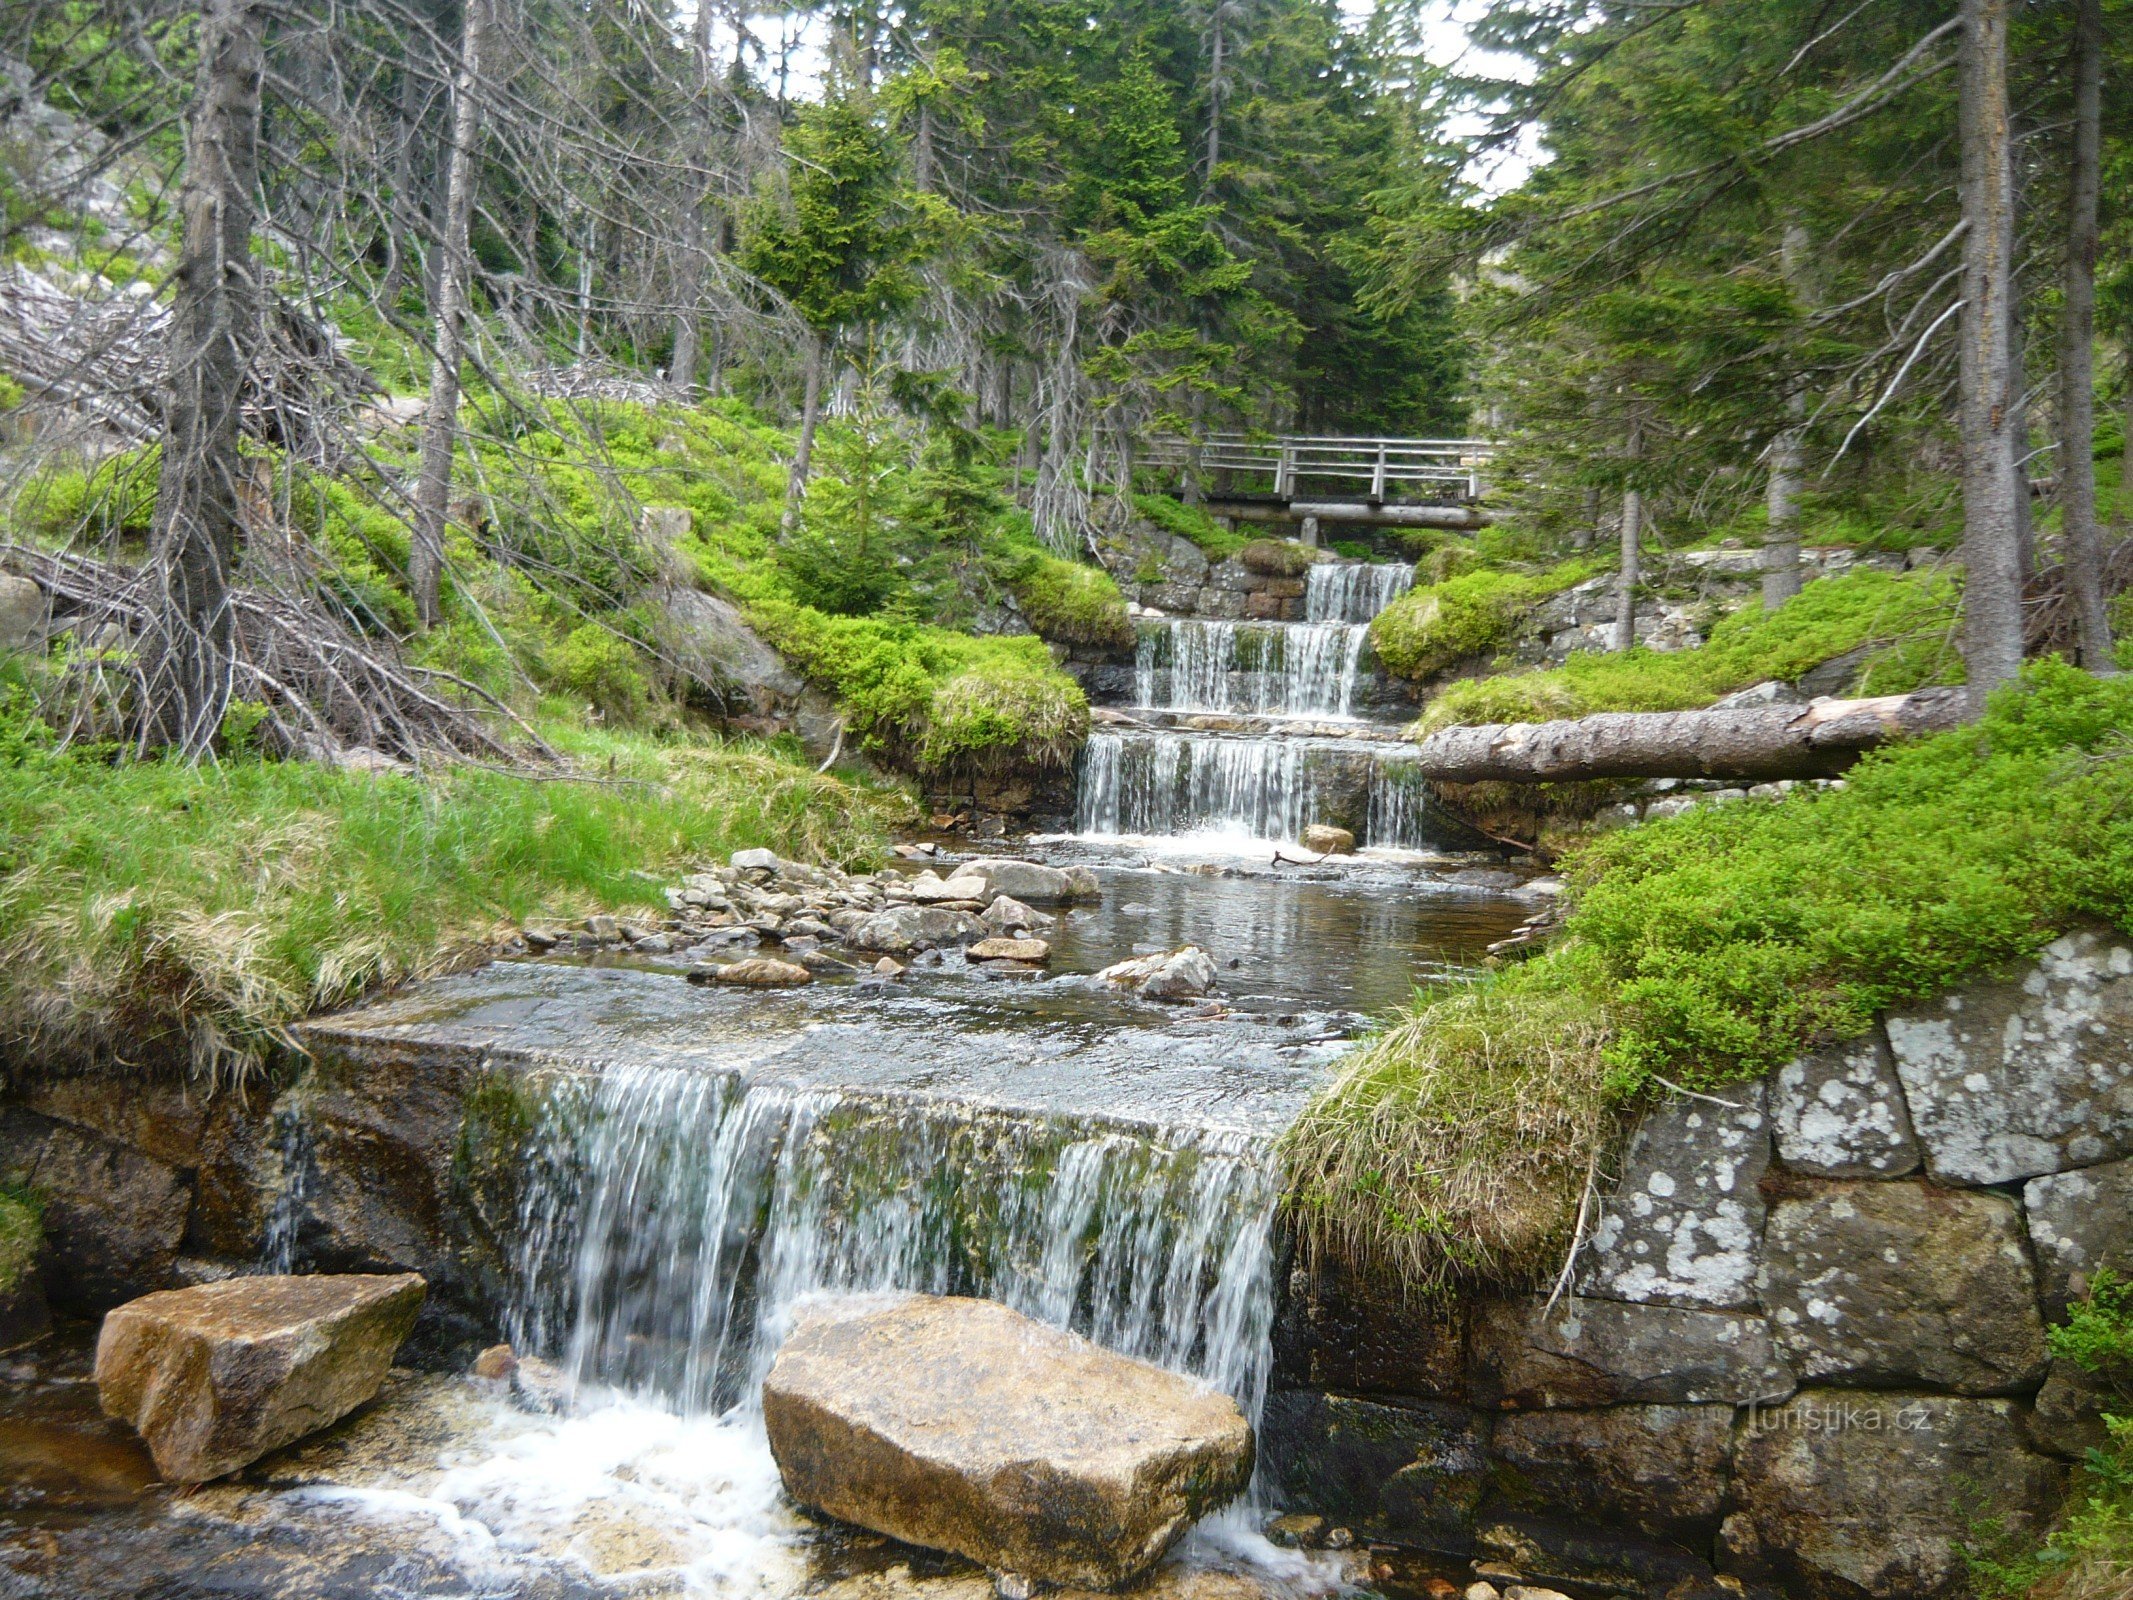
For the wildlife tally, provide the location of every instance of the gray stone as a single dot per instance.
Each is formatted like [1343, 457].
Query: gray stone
[755, 860]
[1029, 881]
[1660, 1469]
[25, 614]
[1413, 1472]
[1768, 693]
[1682, 1227]
[1007, 916]
[962, 1425]
[1841, 1114]
[2027, 1076]
[1185, 973]
[2066, 1418]
[2079, 1221]
[1847, 1494]
[900, 929]
[1588, 1352]
[714, 650]
[1895, 1284]
[113, 1217]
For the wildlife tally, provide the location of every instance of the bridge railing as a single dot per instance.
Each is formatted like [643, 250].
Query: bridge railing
[1378, 462]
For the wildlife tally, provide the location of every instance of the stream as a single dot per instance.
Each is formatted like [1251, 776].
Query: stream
[702, 1160]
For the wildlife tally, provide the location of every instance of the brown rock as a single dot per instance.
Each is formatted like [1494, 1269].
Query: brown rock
[763, 972]
[961, 1425]
[216, 1376]
[1011, 950]
[496, 1363]
[1324, 839]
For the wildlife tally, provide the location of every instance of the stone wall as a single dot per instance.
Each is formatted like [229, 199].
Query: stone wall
[1805, 1345]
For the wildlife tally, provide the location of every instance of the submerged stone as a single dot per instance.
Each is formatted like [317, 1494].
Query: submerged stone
[962, 1425]
[215, 1376]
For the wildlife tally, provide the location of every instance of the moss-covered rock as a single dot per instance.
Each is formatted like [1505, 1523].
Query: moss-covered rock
[1279, 558]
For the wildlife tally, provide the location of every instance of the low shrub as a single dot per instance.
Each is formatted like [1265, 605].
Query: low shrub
[1428, 629]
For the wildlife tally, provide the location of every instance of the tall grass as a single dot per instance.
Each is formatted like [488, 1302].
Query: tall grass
[152, 912]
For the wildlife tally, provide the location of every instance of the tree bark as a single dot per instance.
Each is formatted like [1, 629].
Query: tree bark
[1632, 549]
[2077, 353]
[433, 486]
[214, 336]
[1992, 592]
[1781, 538]
[1750, 743]
[810, 417]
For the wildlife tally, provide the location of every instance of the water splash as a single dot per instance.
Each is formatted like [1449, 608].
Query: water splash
[1354, 591]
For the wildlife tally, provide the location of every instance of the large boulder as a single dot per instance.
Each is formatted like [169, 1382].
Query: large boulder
[898, 930]
[1031, 882]
[1896, 1284]
[2080, 1222]
[213, 1377]
[2027, 1076]
[1186, 973]
[962, 1425]
[113, 1217]
[1585, 1352]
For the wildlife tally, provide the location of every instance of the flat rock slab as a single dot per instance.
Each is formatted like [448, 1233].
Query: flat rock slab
[1841, 1113]
[215, 1376]
[962, 1425]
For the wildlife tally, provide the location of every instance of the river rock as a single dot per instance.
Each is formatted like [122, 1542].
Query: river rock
[113, 1217]
[1841, 1113]
[1587, 1352]
[1011, 950]
[214, 1377]
[929, 888]
[755, 860]
[962, 1425]
[1182, 974]
[2078, 1222]
[1322, 838]
[1900, 1284]
[898, 930]
[763, 972]
[1031, 882]
[1848, 1493]
[1687, 1218]
[1008, 917]
[1661, 1468]
[2026, 1076]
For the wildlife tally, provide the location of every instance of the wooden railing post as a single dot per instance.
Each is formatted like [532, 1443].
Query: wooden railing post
[1377, 476]
[1284, 469]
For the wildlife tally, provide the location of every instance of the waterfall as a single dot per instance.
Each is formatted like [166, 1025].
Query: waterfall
[1354, 591]
[1172, 783]
[674, 1217]
[1400, 811]
[1259, 669]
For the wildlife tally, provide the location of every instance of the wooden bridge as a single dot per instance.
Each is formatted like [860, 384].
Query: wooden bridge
[1318, 478]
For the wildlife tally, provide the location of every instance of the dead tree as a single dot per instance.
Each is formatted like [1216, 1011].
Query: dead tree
[433, 486]
[187, 651]
[1781, 539]
[1992, 586]
[2077, 352]
[1632, 545]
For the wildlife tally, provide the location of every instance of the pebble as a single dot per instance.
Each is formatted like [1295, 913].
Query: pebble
[496, 1363]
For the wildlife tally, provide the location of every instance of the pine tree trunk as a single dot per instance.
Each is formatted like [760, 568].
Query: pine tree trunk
[2077, 353]
[1781, 539]
[1632, 550]
[214, 335]
[1992, 594]
[433, 486]
[810, 417]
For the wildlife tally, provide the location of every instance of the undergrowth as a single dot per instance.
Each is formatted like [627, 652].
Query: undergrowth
[1216, 540]
[1710, 948]
[155, 912]
[1904, 626]
[1470, 614]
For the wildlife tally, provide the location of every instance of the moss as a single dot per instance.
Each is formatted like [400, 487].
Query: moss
[21, 1236]
[1216, 540]
[1065, 600]
[1428, 629]
[1711, 948]
[1278, 558]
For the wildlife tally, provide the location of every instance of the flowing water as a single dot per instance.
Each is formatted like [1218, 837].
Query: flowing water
[1354, 591]
[1294, 669]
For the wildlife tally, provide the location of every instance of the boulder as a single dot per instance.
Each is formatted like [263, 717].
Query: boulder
[898, 930]
[930, 889]
[1322, 838]
[1008, 917]
[1011, 950]
[2078, 1222]
[962, 1425]
[1030, 882]
[1182, 974]
[1412, 1472]
[1661, 1469]
[113, 1218]
[25, 614]
[1841, 1113]
[755, 860]
[2030, 1075]
[1587, 1352]
[1846, 1493]
[1900, 1284]
[763, 972]
[1684, 1224]
[215, 1376]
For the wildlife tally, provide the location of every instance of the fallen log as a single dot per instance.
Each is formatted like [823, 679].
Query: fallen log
[1757, 743]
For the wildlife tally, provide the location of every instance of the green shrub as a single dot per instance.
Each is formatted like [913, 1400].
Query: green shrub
[1069, 600]
[1719, 944]
[1428, 629]
[1182, 521]
[600, 667]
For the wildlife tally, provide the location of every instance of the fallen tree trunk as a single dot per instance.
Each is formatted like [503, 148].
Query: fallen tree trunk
[1748, 742]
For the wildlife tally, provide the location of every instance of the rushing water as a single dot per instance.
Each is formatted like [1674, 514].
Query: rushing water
[1256, 668]
[1354, 591]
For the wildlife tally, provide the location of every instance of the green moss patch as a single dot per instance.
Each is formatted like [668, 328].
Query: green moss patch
[21, 1236]
[1473, 614]
[1215, 539]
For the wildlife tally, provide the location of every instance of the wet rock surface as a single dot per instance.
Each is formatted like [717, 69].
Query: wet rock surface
[965, 1426]
[1585, 1352]
[215, 1377]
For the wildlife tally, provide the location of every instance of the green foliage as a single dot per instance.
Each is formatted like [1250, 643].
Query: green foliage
[114, 500]
[1182, 521]
[21, 1236]
[1429, 628]
[601, 668]
[1906, 622]
[1065, 600]
[156, 912]
[1278, 558]
[1716, 945]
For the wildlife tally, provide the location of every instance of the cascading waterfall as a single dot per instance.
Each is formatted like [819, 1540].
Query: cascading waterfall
[1252, 668]
[1345, 591]
[1400, 816]
[1171, 783]
[673, 1219]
